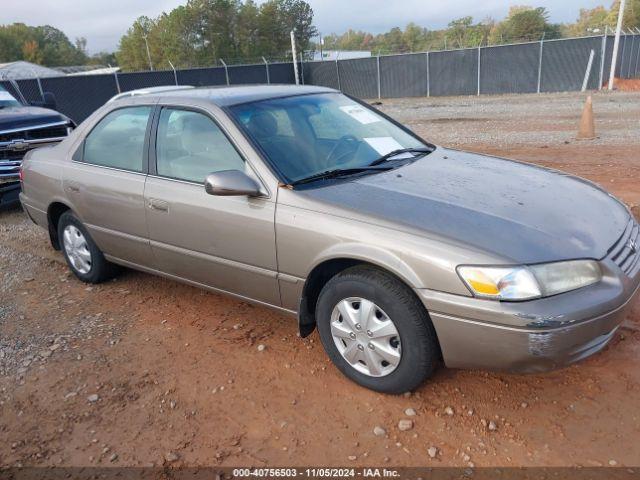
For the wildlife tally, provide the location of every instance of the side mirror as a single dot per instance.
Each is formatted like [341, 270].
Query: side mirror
[48, 101]
[229, 183]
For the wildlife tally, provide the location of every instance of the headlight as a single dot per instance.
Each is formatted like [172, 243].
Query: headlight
[562, 277]
[526, 283]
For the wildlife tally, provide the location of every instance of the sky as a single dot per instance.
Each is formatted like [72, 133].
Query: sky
[103, 22]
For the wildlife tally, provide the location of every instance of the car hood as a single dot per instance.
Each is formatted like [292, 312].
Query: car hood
[520, 212]
[12, 118]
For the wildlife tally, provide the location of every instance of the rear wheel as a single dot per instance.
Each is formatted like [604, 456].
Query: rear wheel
[83, 256]
[376, 331]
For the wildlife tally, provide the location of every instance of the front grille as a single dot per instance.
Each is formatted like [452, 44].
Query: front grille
[55, 131]
[626, 251]
[9, 171]
[11, 154]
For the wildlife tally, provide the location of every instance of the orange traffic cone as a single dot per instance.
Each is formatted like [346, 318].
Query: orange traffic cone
[587, 129]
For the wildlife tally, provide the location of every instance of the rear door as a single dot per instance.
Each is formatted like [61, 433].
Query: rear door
[227, 243]
[106, 180]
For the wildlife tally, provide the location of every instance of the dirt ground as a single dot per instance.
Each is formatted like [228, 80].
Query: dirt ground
[142, 371]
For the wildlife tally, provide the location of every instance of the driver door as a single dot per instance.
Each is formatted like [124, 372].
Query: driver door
[226, 243]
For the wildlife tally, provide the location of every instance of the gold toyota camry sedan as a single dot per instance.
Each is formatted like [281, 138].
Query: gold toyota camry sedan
[403, 254]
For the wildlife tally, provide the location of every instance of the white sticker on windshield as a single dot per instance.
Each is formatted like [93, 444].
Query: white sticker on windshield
[361, 114]
[384, 145]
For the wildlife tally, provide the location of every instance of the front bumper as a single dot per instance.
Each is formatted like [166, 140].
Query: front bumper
[9, 193]
[533, 336]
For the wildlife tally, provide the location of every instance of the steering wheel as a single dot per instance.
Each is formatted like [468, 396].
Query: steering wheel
[345, 141]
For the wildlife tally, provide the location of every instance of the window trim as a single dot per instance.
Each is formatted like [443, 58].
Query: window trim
[153, 147]
[79, 154]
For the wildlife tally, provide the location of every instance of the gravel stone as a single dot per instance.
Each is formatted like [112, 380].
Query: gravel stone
[404, 425]
[93, 398]
[379, 431]
[410, 412]
[432, 452]
[172, 457]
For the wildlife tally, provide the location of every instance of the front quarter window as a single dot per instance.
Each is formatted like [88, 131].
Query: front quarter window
[190, 145]
[308, 134]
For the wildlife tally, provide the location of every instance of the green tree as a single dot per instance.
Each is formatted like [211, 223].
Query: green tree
[44, 45]
[526, 23]
[590, 21]
[631, 14]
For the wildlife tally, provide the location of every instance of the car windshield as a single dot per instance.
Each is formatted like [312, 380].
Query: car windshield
[6, 99]
[306, 135]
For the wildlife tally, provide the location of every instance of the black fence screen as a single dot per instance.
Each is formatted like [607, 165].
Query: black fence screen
[548, 66]
[510, 68]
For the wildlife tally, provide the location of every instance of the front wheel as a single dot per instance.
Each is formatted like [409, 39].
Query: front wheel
[83, 256]
[376, 331]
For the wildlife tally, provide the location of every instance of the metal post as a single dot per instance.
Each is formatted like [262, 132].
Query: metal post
[226, 70]
[301, 69]
[378, 70]
[39, 84]
[175, 75]
[603, 57]
[266, 66]
[338, 72]
[479, 54]
[616, 45]
[148, 53]
[633, 43]
[540, 64]
[428, 77]
[624, 47]
[587, 72]
[635, 70]
[115, 74]
[294, 56]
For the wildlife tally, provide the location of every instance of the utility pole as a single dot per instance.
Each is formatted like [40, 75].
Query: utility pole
[616, 44]
[294, 55]
[148, 53]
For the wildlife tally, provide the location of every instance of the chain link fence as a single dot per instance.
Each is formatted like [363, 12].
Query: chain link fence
[544, 66]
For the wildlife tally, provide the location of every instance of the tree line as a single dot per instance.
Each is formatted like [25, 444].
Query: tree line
[522, 24]
[202, 32]
[45, 45]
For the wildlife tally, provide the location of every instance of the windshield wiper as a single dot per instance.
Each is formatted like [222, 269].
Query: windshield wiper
[337, 172]
[420, 151]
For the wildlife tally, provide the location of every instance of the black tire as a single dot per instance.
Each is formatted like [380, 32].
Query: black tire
[101, 270]
[419, 343]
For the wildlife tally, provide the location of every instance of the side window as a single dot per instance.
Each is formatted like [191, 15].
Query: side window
[118, 139]
[190, 146]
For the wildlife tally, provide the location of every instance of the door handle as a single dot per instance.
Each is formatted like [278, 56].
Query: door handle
[159, 205]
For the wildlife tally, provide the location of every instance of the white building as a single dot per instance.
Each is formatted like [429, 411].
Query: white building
[340, 54]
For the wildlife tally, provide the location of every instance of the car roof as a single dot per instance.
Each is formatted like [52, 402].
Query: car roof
[149, 90]
[227, 96]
